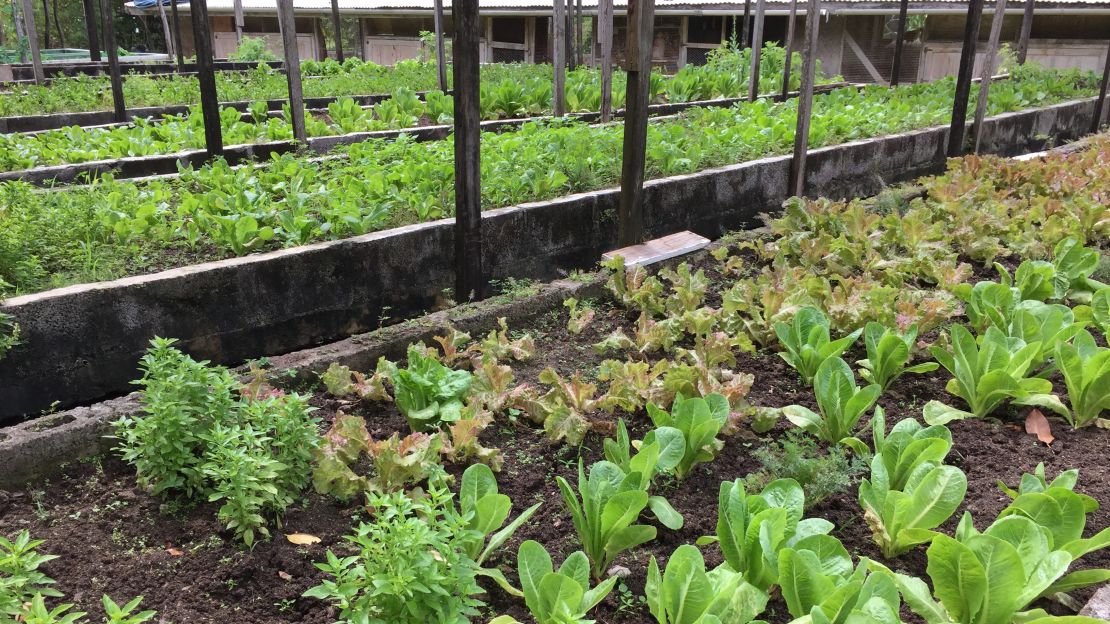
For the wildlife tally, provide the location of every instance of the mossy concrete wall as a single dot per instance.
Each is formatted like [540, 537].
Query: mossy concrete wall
[82, 343]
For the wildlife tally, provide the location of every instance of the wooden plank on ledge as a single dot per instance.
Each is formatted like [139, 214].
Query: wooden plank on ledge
[659, 249]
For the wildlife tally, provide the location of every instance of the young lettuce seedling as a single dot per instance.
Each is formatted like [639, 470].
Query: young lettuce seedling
[556, 597]
[807, 342]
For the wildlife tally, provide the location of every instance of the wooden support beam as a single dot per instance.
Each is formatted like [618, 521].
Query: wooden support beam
[441, 60]
[287, 23]
[206, 76]
[757, 51]
[958, 127]
[630, 214]
[805, 99]
[177, 35]
[578, 32]
[33, 39]
[987, 73]
[470, 282]
[107, 26]
[166, 32]
[568, 33]
[605, 38]
[1026, 30]
[20, 32]
[899, 43]
[789, 50]
[744, 32]
[90, 29]
[337, 30]
[558, 59]
[1100, 106]
[861, 56]
[237, 17]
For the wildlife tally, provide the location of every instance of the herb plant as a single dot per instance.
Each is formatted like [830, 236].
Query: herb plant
[20, 577]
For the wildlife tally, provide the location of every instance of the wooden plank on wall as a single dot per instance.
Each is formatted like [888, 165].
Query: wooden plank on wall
[32, 34]
[441, 61]
[757, 51]
[90, 28]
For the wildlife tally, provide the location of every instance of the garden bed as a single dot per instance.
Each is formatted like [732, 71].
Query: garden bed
[894, 261]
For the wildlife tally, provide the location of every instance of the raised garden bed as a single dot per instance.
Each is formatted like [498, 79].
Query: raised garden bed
[899, 263]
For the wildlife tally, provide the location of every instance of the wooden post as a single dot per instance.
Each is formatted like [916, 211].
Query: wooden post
[17, 17]
[558, 59]
[605, 38]
[287, 23]
[337, 28]
[177, 35]
[1026, 30]
[361, 33]
[441, 60]
[45, 25]
[899, 43]
[237, 8]
[206, 76]
[744, 32]
[805, 99]
[578, 33]
[789, 49]
[112, 50]
[1100, 106]
[469, 276]
[166, 29]
[757, 51]
[90, 28]
[630, 214]
[33, 39]
[963, 79]
[988, 72]
[568, 33]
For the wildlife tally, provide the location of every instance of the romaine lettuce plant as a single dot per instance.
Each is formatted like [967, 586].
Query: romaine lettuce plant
[486, 511]
[686, 594]
[428, 393]
[822, 586]
[1086, 370]
[888, 352]
[807, 342]
[604, 512]
[840, 401]
[660, 451]
[699, 420]
[1062, 514]
[986, 375]
[562, 596]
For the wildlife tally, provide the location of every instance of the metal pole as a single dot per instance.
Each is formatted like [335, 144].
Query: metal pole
[441, 60]
[1100, 106]
[605, 38]
[630, 214]
[469, 277]
[177, 36]
[899, 43]
[805, 99]
[789, 49]
[206, 77]
[559, 59]
[757, 51]
[957, 129]
[90, 28]
[337, 29]
[33, 39]
[119, 106]
[1026, 30]
[988, 72]
[287, 22]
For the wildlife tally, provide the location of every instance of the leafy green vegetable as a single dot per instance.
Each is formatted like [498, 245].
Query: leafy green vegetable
[1086, 370]
[888, 352]
[428, 393]
[698, 420]
[840, 401]
[487, 511]
[562, 596]
[20, 577]
[660, 451]
[807, 342]
[686, 594]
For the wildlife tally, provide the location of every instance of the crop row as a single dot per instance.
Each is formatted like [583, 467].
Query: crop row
[829, 274]
[110, 227]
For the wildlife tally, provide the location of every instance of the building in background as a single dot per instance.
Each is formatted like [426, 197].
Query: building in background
[856, 36]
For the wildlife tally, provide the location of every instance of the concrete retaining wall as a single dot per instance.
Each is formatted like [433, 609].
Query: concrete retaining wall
[81, 343]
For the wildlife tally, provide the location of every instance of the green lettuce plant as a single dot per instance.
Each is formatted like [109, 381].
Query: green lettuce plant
[1085, 367]
[428, 393]
[807, 342]
[699, 420]
[821, 587]
[604, 512]
[888, 352]
[686, 594]
[562, 596]
[659, 452]
[487, 510]
[986, 375]
[840, 401]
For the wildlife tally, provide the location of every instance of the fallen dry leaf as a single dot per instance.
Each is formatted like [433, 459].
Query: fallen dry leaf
[302, 539]
[1036, 424]
[285, 576]
[174, 552]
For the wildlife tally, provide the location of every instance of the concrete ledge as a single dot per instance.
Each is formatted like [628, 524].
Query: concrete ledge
[81, 343]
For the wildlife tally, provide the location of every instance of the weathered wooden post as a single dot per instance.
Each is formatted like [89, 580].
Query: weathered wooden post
[287, 23]
[90, 28]
[177, 36]
[119, 106]
[33, 39]
[441, 60]
[469, 278]
[578, 59]
[757, 51]
[568, 33]
[987, 74]
[237, 10]
[956, 131]
[899, 43]
[605, 39]
[630, 214]
[789, 50]
[744, 32]
[1100, 106]
[559, 59]
[206, 76]
[1026, 30]
[166, 32]
[337, 27]
[805, 99]
[360, 33]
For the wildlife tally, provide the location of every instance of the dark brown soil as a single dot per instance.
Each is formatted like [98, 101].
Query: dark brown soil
[113, 538]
